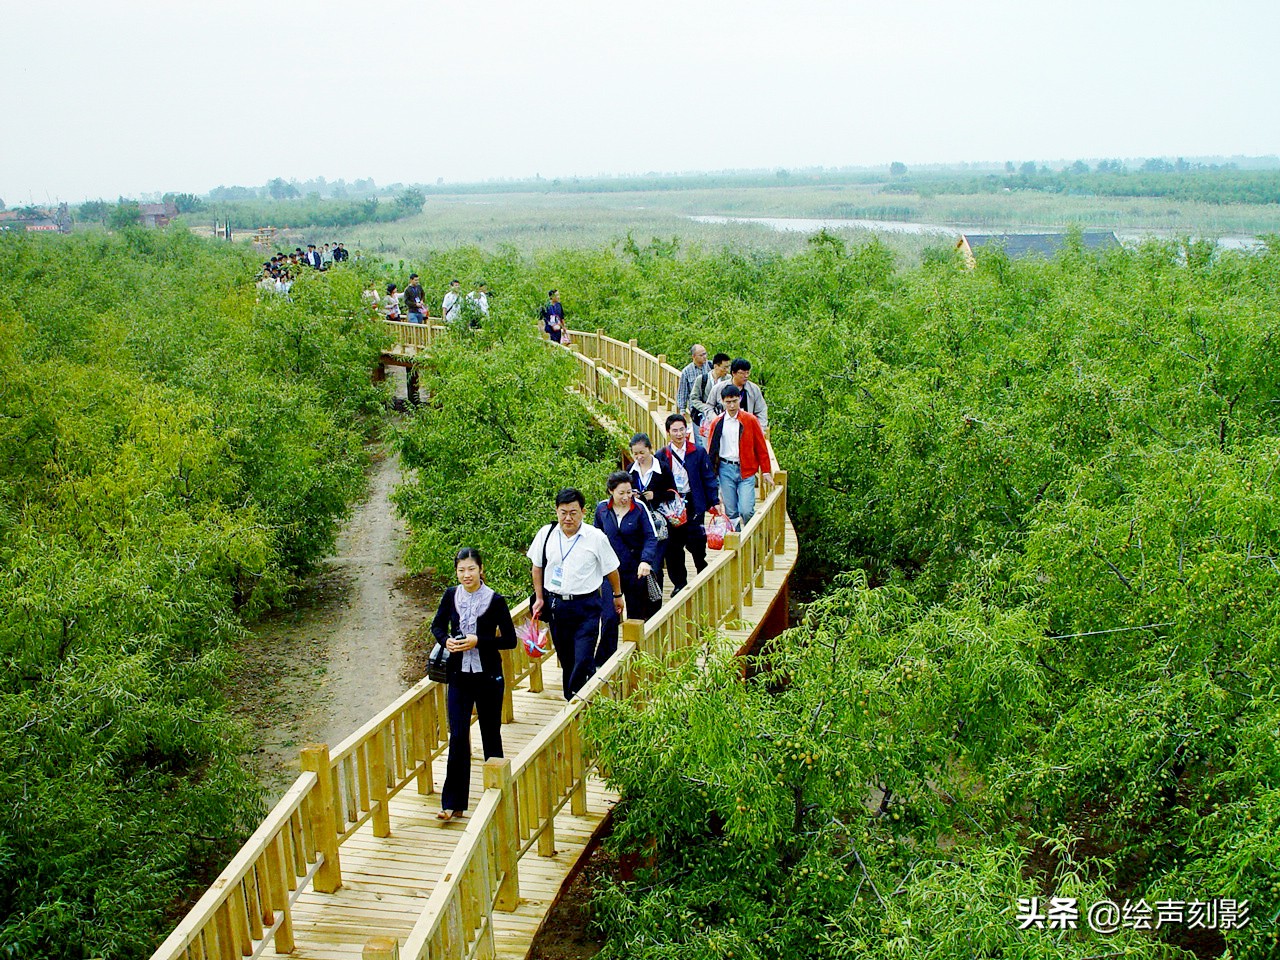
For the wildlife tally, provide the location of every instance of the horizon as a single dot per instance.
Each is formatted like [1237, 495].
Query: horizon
[1251, 163]
[135, 99]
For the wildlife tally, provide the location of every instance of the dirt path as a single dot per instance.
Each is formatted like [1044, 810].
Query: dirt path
[315, 673]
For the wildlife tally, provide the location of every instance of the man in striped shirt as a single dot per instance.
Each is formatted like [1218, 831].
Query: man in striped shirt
[698, 369]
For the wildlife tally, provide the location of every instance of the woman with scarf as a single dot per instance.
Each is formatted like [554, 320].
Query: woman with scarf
[475, 624]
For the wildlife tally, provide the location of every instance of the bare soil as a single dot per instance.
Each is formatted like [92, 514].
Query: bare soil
[569, 932]
[316, 672]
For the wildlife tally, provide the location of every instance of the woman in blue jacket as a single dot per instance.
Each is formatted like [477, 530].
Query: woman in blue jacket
[631, 534]
[475, 624]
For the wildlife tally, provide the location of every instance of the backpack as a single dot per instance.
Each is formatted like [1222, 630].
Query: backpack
[699, 392]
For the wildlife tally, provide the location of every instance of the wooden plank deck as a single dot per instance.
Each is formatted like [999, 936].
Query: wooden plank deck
[386, 881]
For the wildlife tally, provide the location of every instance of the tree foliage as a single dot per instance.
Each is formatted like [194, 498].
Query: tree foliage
[498, 437]
[170, 460]
[1052, 671]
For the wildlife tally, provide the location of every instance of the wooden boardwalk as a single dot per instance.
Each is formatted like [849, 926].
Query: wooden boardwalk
[354, 852]
[386, 881]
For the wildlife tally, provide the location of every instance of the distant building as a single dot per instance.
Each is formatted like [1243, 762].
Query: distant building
[157, 214]
[1019, 245]
[36, 220]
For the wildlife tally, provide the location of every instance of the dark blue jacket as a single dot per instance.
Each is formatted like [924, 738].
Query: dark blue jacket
[632, 540]
[704, 489]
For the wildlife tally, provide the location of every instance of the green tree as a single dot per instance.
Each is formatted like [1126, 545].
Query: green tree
[123, 215]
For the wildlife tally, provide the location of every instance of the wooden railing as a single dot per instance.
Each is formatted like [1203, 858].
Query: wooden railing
[523, 796]
[249, 906]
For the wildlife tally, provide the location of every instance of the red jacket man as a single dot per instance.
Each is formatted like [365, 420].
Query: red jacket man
[739, 457]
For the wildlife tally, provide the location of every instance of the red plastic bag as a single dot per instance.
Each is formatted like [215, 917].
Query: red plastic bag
[535, 639]
[717, 530]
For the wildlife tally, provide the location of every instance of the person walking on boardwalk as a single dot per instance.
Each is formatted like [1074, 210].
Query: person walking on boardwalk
[475, 624]
[690, 469]
[701, 398]
[698, 369]
[415, 299]
[752, 397]
[570, 563]
[552, 315]
[738, 451]
[635, 542]
[451, 306]
[478, 304]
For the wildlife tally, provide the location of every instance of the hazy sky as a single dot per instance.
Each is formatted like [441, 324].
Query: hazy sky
[120, 97]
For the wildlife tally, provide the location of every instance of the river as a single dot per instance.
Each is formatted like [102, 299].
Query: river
[809, 225]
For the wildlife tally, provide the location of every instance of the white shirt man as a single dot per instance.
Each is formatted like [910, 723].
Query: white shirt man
[452, 305]
[479, 297]
[571, 560]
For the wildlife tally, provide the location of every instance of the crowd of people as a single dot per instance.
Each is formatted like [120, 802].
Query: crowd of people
[411, 305]
[588, 576]
[279, 272]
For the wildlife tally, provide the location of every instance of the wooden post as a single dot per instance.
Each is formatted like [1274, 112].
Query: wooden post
[497, 776]
[578, 770]
[378, 785]
[733, 542]
[315, 758]
[508, 672]
[780, 478]
[421, 754]
[544, 778]
[633, 632]
[381, 948]
[631, 360]
[280, 895]
[535, 676]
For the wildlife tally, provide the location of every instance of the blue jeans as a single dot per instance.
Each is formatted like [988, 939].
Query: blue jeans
[699, 440]
[737, 495]
[417, 317]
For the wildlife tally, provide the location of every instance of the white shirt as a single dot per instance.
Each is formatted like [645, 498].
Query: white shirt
[583, 560]
[678, 472]
[730, 432]
[450, 306]
[646, 476]
[481, 301]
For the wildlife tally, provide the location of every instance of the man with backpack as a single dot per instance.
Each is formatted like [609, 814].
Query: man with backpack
[697, 369]
[702, 406]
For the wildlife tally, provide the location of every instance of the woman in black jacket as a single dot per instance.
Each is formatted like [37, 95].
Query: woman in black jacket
[475, 624]
[630, 532]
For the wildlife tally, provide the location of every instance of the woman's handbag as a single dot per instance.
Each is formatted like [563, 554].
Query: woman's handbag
[675, 511]
[659, 523]
[717, 530]
[651, 584]
[438, 663]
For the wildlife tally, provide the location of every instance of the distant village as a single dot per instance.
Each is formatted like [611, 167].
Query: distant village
[59, 220]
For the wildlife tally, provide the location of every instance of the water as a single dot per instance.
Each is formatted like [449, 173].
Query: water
[806, 225]
[809, 225]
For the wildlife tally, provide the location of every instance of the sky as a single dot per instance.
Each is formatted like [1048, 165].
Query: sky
[101, 100]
